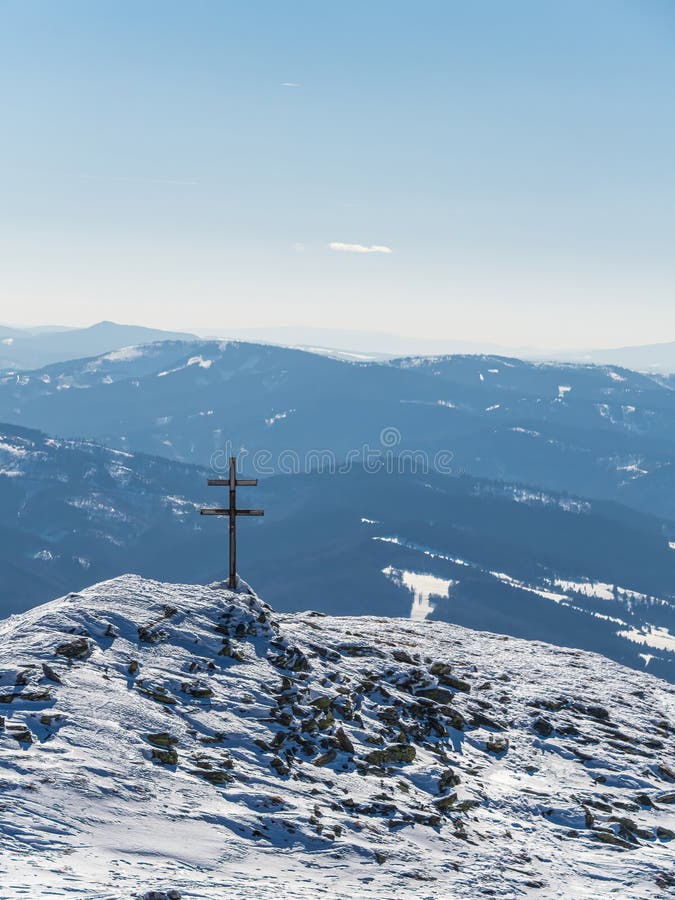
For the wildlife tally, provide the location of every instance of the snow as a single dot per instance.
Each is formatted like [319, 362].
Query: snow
[652, 636]
[87, 811]
[277, 417]
[124, 354]
[423, 587]
[13, 449]
[598, 589]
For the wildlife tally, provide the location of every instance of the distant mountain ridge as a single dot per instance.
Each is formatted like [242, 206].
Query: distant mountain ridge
[597, 431]
[25, 350]
[485, 555]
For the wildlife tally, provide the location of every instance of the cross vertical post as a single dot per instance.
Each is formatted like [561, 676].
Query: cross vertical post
[232, 483]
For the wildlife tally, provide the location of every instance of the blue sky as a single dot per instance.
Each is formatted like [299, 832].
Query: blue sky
[191, 164]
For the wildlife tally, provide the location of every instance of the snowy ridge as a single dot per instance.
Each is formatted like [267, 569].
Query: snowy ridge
[183, 738]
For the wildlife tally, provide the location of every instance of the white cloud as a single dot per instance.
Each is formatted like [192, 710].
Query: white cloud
[290, 84]
[359, 248]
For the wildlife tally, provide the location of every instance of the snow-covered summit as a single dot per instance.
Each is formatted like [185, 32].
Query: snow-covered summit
[184, 738]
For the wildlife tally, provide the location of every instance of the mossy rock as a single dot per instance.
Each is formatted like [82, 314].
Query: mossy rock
[326, 721]
[466, 805]
[199, 691]
[231, 651]
[391, 755]
[133, 667]
[321, 702]
[167, 757]
[213, 776]
[444, 803]
[158, 694]
[161, 739]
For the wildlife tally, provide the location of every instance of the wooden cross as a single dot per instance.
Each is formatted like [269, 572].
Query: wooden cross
[233, 483]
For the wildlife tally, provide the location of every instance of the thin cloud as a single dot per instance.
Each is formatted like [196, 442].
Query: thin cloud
[359, 248]
[290, 84]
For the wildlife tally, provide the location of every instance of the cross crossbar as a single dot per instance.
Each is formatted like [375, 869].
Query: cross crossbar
[232, 512]
[224, 511]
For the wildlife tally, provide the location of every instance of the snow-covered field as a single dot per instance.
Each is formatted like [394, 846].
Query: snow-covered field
[183, 738]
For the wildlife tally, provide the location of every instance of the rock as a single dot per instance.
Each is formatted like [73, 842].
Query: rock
[159, 694]
[50, 674]
[161, 895]
[480, 719]
[133, 667]
[644, 800]
[665, 834]
[343, 740]
[166, 757]
[326, 721]
[595, 712]
[20, 733]
[213, 776]
[549, 704]
[666, 772]
[542, 726]
[325, 758]
[380, 857]
[391, 755]
[292, 658]
[444, 803]
[496, 744]
[281, 768]
[449, 778]
[198, 691]
[36, 695]
[161, 739]
[321, 703]
[466, 805]
[454, 717]
[437, 694]
[404, 657]
[666, 798]
[232, 651]
[608, 837]
[625, 824]
[452, 681]
[48, 719]
[80, 648]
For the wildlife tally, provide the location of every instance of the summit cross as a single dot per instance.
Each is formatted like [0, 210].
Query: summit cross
[233, 483]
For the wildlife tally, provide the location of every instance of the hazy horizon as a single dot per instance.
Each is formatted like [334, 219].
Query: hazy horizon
[495, 173]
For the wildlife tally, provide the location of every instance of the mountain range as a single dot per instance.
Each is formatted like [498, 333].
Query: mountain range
[603, 432]
[31, 348]
[485, 554]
